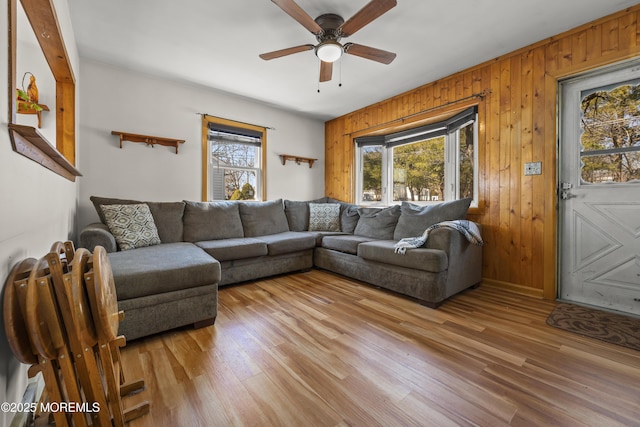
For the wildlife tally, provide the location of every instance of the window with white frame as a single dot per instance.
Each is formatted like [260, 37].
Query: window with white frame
[235, 169]
[427, 164]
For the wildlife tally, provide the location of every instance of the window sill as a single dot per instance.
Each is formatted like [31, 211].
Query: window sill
[26, 140]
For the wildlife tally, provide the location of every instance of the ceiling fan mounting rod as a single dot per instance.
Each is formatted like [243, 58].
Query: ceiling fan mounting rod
[330, 24]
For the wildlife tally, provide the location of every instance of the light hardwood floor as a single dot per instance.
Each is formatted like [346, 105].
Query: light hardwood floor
[317, 349]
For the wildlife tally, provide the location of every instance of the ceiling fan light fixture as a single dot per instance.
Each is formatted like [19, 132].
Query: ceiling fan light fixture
[329, 51]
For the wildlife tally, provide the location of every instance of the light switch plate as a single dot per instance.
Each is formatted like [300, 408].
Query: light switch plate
[533, 168]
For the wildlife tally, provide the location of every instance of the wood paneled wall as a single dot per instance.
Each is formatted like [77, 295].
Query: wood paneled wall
[517, 121]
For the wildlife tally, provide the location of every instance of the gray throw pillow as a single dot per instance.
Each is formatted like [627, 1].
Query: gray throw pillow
[415, 219]
[377, 223]
[263, 218]
[211, 221]
[131, 225]
[324, 217]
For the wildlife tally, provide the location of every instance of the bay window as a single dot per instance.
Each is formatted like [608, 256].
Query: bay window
[427, 164]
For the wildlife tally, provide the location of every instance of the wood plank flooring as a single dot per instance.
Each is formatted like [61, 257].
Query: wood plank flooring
[317, 349]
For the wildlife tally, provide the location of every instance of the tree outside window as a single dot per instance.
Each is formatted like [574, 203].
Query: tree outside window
[427, 164]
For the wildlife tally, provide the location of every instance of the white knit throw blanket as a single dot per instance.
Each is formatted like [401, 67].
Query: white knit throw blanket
[468, 228]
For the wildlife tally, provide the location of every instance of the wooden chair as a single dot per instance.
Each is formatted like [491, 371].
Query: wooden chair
[100, 287]
[62, 263]
[61, 317]
[48, 336]
[14, 312]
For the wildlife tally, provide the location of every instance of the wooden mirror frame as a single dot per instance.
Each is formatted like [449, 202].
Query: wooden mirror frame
[26, 140]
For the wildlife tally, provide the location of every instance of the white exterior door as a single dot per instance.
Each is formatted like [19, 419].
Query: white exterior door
[599, 190]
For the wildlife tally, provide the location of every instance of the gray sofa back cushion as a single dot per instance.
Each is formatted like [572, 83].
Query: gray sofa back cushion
[415, 219]
[377, 223]
[166, 215]
[263, 218]
[211, 221]
[298, 213]
[349, 217]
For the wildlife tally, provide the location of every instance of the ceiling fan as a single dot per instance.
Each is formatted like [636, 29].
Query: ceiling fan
[329, 29]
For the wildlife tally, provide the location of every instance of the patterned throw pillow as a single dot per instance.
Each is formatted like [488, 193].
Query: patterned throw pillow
[131, 225]
[324, 217]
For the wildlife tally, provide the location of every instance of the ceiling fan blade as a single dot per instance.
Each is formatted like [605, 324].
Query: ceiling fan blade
[284, 52]
[296, 12]
[326, 69]
[371, 53]
[371, 11]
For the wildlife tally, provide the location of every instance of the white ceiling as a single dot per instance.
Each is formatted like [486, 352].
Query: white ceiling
[216, 43]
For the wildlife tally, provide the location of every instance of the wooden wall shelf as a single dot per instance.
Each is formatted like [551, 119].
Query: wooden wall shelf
[27, 141]
[149, 140]
[297, 159]
[25, 108]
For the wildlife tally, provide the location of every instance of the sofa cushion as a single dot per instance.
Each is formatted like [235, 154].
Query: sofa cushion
[211, 221]
[287, 242]
[166, 215]
[349, 217]
[297, 213]
[415, 219]
[347, 243]
[319, 235]
[433, 260]
[377, 223]
[263, 218]
[324, 217]
[131, 225]
[168, 219]
[232, 249]
[98, 202]
[162, 268]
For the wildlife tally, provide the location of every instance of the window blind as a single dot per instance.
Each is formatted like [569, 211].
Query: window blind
[421, 133]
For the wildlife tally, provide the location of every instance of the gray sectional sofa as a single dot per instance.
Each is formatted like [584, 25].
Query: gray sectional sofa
[169, 258]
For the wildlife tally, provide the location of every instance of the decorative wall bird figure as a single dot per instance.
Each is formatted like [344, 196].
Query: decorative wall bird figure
[32, 89]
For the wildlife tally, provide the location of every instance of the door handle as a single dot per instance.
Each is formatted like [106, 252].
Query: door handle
[564, 191]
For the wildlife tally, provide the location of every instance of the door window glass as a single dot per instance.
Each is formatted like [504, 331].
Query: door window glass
[610, 134]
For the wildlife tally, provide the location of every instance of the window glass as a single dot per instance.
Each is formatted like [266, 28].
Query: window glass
[234, 162]
[610, 138]
[427, 164]
[234, 173]
[371, 173]
[418, 171]
[467, 157]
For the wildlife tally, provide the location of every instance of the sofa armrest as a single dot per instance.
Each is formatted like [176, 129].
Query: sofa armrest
[97, 234]
[465, 258]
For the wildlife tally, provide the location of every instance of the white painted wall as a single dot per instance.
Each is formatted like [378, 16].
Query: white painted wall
[30, 59]
[119, 99]
[38, 207]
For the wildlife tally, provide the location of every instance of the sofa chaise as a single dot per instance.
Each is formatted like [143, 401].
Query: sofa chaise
[169, 263]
